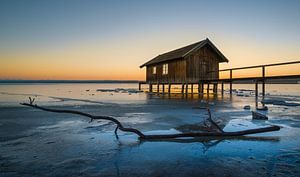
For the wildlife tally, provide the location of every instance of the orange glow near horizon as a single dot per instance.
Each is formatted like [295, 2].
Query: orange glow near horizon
[121, 62]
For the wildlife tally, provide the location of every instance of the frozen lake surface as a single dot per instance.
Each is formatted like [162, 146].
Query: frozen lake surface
[37, 143]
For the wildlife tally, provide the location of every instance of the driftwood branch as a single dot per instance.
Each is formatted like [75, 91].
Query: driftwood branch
[218, 133]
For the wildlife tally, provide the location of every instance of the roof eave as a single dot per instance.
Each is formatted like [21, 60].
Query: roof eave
[148, 64]
[226, 60]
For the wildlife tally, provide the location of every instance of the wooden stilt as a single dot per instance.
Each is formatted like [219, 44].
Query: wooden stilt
[202, 87]
[207, 88]
[140, 87]
[222, 88]
[199, 89]
[150, 87]
[192, 88]
[256, 93]
[169, 88]
[163, 88]
[263, 88]
[256, 102]
[215, 88]
[182, 88]
[230, 84]
[256, 89]
[263, 81]
[186, 88]
[157, 87]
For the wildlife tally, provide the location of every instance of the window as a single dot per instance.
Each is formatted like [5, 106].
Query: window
[165, 69]
[154, 70]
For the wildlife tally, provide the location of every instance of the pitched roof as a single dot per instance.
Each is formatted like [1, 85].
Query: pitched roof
[183, 51]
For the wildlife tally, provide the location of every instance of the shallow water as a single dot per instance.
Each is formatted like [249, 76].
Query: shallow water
[36, 143]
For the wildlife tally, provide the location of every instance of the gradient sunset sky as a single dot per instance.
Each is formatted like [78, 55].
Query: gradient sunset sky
[99, 39]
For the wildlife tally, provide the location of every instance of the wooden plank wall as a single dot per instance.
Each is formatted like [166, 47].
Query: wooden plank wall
[176, 72]
[200, 62]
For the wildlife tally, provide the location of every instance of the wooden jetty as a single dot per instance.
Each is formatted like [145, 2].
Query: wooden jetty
[198, 65]
[222, 81]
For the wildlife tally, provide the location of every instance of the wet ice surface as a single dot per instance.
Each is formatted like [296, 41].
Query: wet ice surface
[36, 143]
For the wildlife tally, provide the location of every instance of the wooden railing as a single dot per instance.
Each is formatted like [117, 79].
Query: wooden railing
[257, 66]
[261, 78]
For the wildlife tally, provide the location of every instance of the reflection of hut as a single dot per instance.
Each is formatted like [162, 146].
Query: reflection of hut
[189, 64]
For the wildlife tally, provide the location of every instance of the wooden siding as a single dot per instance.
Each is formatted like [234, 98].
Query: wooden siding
[200, 62]
[176, 72]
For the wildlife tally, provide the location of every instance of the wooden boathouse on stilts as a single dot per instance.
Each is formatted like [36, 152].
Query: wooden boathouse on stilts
[198, 64]
[187, 66]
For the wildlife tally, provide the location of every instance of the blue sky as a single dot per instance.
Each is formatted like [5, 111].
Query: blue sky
[41, 26]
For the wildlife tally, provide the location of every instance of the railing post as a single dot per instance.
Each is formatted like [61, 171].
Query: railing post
[263, 81]
[157, 87]
[230, 84]
[169, 88]
[192, 88]
[163, 88]
[182, 88]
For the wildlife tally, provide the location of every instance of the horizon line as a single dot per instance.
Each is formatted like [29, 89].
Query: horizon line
[64, 81]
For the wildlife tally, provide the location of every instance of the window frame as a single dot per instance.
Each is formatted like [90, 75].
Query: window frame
[154, 70]
[165, 69]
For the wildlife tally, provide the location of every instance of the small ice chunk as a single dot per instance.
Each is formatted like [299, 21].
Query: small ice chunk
[264, 108]
[259, 116]
[239, 94]
[279, 102]
[247, 107]
[120, 90]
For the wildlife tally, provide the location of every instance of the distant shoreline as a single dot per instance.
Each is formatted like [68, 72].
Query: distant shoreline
[66, 81]
[277, 81]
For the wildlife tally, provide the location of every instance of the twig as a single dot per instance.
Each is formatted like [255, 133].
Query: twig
[116, 132]
[214, 124]
[31, 100]
[141, 135]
